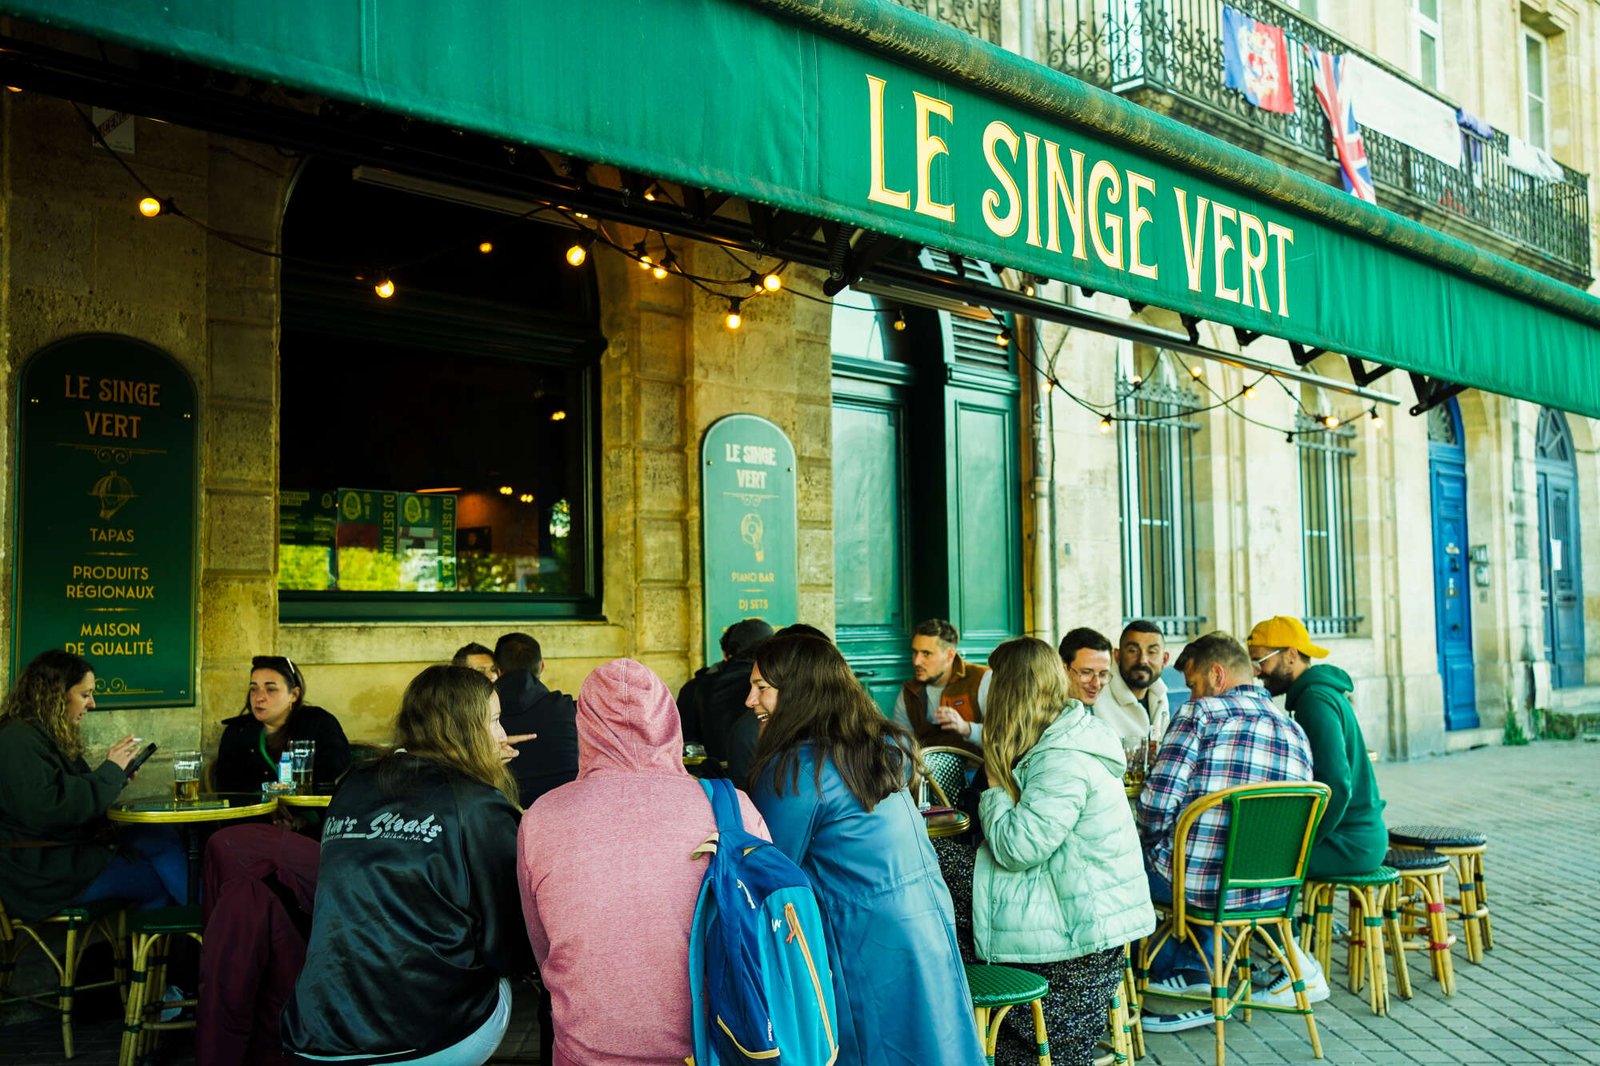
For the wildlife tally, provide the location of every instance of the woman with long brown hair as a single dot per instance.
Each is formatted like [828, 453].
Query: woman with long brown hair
[1058, 885]
[56, 846]
[418, 923]
[830, 778]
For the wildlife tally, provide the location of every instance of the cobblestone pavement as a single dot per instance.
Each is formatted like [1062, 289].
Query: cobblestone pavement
[1535, 999]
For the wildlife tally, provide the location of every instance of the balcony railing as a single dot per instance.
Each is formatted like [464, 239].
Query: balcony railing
[1173, 48]
[981, 18]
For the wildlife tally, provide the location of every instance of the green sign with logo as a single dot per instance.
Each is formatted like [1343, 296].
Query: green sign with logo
[106, 509]
[748, 526]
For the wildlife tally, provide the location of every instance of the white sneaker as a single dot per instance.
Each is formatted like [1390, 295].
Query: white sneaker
[1280, 993]
[1179, 985]
[1177, 1023]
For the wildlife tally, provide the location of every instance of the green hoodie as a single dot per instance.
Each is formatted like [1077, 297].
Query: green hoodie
[1060, 873]
[1352, 838]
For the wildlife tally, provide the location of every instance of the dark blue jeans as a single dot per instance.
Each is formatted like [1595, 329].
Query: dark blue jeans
[1178, 957]
[151, 871]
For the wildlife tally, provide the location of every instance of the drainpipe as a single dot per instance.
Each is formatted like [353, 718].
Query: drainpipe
[1025, 29]
[1044, 538]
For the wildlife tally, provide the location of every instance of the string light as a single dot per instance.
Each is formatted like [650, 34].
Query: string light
[771, 281]
[1105, 424]
[899, 322]
[1330, 421]
[1249, 392]
[1197, 371]
[485, 247]
[558, 416]
[505, 490]
[526, 497]
[1028, 289]
[384, 288]
[1003, 338]
[1137, 380]
[13, 89]
[579, 251]
[150, 207]
[658, 271]
[1377, 418]
[734, 319]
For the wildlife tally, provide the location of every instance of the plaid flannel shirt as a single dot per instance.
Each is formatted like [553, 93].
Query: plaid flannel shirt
[1214, 743]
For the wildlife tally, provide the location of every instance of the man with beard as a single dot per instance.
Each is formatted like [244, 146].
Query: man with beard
[943, 701]
[1352, 838]
[1135, 704]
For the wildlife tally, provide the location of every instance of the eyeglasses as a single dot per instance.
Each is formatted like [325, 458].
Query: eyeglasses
[1086, 676]
[1257, 662]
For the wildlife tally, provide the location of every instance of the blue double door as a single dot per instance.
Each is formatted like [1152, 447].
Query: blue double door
[1452, 577]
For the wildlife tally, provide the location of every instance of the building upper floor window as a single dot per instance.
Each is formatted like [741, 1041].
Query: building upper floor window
[1427, 41]
[436, 448]
[1308, 8]
[1536, 88]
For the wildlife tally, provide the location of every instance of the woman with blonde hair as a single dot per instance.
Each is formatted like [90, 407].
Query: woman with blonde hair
[56, 846]
[418, 924]
[1058, 886]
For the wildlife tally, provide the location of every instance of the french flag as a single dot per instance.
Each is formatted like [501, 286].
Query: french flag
[1327, 74]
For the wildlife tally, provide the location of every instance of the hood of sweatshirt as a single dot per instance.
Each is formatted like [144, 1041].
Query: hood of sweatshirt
[1323, 675]
[1076, 730]
[627, 722]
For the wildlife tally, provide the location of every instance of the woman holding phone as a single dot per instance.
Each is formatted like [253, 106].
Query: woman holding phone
[56, 846]
[418, 919]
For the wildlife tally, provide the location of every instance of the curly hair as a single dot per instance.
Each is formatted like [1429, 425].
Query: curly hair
[820, 701]
[40, 695]
[444, 718]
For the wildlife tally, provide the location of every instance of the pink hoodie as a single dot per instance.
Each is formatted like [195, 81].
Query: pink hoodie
[608, 887]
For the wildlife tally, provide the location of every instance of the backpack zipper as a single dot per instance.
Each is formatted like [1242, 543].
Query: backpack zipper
[796, 933]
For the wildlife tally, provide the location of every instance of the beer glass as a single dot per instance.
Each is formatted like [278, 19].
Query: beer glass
[186, 767]
[303, 756]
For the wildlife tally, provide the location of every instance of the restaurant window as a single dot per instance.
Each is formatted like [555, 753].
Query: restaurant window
[1427, 41]
[437, 453]
[1536, 88]
[1327, 459]
[1156, 425]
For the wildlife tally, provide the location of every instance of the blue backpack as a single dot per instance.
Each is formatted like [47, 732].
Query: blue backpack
[758, 959]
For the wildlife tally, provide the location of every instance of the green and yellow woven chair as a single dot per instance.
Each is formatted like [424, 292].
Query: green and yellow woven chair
[995, 990]
[150, 934]
[1268, 837]
[947, 771]
[80, 924]
[1374, 919]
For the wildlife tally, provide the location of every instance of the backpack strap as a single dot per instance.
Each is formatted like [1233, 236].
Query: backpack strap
[724, 803]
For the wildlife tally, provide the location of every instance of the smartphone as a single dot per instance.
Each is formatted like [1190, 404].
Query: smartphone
[139, 759]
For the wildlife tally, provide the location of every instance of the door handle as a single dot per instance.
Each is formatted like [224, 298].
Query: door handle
[866, 673]
[1450, 589]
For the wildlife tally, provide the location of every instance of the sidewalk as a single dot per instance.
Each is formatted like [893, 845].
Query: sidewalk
[1536, 998]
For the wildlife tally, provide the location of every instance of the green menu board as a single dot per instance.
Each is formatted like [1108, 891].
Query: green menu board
[749, 528]
[106, 516]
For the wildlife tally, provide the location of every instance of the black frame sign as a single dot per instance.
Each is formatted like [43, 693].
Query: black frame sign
[107, 501]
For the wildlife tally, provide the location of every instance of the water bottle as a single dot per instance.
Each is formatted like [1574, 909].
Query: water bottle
[285, 773]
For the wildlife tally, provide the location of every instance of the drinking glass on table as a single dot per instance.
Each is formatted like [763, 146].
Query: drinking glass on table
[186, 766]
[1133, 751]
[303, 756]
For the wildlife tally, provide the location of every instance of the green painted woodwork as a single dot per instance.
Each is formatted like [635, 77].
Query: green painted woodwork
[756, 86]
[748, 526]
[106, 515]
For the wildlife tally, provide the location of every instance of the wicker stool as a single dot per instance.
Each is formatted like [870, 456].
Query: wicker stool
[1122, 1017]
[1422, 910]
[1465, 849]
[79, 923]
[995, 990]
[1374, 917]
[149, 933]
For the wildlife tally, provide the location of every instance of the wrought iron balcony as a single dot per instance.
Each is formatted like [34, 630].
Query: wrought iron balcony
[981, 18]
[1167, 55]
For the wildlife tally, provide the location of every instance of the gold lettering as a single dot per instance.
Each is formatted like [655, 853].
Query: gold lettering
[1032, 141]
[1138, 216]
[997, 133]
[1057, 192]
[880, 191]
[1254, 261]
[1193, 236]
[1101, 174]
[928, 148]
[1221, 245]
[1283, 235]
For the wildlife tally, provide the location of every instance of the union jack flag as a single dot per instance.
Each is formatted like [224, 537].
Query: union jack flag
[1327, 75]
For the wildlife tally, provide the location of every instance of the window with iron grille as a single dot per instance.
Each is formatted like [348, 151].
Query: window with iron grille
[1155, 444]
[1327, 458]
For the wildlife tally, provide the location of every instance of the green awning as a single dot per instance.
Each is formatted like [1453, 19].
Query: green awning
[865, 113]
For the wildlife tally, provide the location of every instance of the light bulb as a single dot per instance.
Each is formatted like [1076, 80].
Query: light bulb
[149, 207]
[1377, 419]
[384, 288]
[577, 254]
[1105, 425]
[558, 416]
[1137, 380]
[1028, 290]
[645, 262]
[1197, 370]
[1249, 392]
[659, 272]
[1331, 421]
[1003, 338]
[772, 282]
[899, 323]
[505, 490]
[485, 247]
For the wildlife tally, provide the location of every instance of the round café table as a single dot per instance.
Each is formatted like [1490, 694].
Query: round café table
[305, 801]
[946, 824]
[208, 807]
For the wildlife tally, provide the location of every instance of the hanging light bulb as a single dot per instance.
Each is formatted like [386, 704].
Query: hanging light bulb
[1197, 371]
[642, 256]
[505, 490]
[384, 288]
[1249, 392]
[1377, 418]
[899, 322]
[1137, 380]
[734, 319]
[658, 271]
[579, 251]
[1003, 338]
[1029, 290]
[1105, 425]
[650, 193]
[150, 207]
[485, 247]
[771, 281]
[1330, 421]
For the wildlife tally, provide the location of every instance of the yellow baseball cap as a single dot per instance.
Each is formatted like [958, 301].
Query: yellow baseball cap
[1281, 631]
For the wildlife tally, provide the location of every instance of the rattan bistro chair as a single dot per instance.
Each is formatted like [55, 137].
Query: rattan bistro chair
[79, 924]
[947, 771]
[1269, 830]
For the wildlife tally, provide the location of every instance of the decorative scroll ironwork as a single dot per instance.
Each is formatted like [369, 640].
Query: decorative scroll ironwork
[1174, 47]
[1155, 432]
[981, 18]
